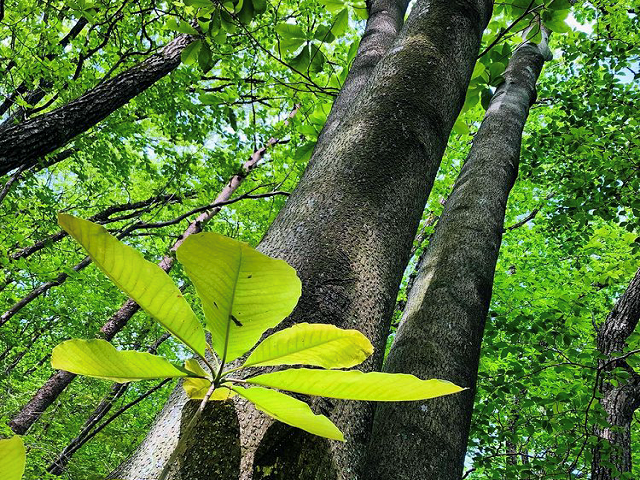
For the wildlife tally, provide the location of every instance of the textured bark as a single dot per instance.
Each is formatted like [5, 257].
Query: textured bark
[619, 402]
[56, 384]
[24, 144]
[441, 330]
[348, 230]
[385, 21]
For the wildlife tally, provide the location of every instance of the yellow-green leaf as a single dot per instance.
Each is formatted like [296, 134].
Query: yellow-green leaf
[194, 366]
[12, 458]
[291, 411]
[100, 359]
[243, 291]
[197, 388]
[355, 385]
[312, 344]
[143, 281]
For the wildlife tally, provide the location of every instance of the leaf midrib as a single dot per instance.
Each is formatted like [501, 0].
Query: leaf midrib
[233, 297]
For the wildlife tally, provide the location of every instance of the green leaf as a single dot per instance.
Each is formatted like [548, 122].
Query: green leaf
[312, 344]
[291, 411]
[227, 22]
[478, 70]
[291, 36]
[198, 3]
[260, 6]
[355, 385]
[334, 6]
[304, 152]
[243, 291]
[360, 9]
[184, 27]
[204, 58]
[460, 127]
[340, 23]
[189, 55]
[485, 98]
[210, 99]
[323, 34]
[143, 281]
[555, 23]
[194, 366]
[289, 30]
[12, 458]
[302, 61]
[99, 359]
[317, 59]
[246, 13]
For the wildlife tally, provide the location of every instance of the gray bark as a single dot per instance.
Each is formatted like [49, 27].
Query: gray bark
[385, 21]
[24, 144]
[348, 230]
[442, 325]
[622, 399]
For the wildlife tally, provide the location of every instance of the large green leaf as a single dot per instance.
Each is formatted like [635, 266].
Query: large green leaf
[320, 345]
[243, 291]
[100, 359]
[355, 385]
[290, 411]
[12, 458]
[143, 281]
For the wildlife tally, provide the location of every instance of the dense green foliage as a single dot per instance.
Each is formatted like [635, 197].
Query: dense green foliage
[572, 250]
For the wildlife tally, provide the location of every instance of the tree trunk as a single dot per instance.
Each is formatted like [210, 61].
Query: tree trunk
[619, 397]
[348, 230]
[22, 145]
[441, 330]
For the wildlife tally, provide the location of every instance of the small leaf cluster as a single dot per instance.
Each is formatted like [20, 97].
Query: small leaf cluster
[244, 293]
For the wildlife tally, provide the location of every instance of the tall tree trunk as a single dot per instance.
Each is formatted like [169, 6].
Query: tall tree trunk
[24, 144]
[441, 330]
[348, 230]
[619, 397]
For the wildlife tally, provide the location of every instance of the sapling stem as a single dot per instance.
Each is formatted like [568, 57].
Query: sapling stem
[182, 440]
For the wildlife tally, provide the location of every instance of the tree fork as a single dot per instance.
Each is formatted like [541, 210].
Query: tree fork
[348, 230]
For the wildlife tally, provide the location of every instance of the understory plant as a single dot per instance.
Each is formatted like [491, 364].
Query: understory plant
[243, 293]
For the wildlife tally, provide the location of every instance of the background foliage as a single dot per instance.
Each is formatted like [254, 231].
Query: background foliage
[570, 248]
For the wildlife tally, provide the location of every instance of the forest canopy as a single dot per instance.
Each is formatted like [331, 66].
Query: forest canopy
[263, 121]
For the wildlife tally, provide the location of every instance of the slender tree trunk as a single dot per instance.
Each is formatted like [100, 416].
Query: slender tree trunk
[348, 230]
[620, 398]
[441, 329]
[57, 382]
[25, 143]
